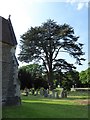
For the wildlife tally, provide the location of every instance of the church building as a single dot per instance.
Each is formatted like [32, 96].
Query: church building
[9, 72]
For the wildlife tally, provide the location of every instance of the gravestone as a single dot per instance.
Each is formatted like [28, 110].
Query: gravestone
[73, 88]
[32, 91]
[26, 92]
[41, 92]
[56, 95]
[10, 82]
[48, 91]
[53, 93]
[63, 94]
[49, 95]
[36, 92]
[45, 93]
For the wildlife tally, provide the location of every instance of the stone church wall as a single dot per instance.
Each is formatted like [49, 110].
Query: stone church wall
[0, 70]
[5, 69]
[9, 77]
[10, 92]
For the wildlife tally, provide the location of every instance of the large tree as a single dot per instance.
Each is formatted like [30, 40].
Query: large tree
[45, 43]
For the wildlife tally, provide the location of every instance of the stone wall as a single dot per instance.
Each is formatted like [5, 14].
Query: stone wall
[5, 70]
[10, 92]
[0, 80]
[0, 69]
[10, 84]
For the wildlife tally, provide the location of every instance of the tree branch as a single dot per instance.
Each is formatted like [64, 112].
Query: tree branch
[57, 52]
[44, 63]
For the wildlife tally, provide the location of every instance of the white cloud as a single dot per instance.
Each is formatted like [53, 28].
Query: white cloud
[80, 6]
[80, 3]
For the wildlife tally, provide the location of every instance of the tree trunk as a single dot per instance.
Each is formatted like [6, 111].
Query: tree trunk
[50, 79]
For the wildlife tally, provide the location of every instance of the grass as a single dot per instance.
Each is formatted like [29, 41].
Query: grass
[40, 107]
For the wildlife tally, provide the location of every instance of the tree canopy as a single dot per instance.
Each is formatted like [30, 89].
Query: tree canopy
[33, 69]
[30, 76]
[85, 76]
[25, 78]
[45, 43]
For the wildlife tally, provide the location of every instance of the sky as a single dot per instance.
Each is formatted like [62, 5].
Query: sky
[27, 13]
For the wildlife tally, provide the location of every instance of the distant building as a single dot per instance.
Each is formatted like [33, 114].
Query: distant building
[10, 83]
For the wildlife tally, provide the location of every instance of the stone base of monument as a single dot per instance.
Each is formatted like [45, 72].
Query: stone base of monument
[11, 101]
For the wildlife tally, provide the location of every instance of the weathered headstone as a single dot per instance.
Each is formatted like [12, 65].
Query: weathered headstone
[49, 95]
[56, 95]
[27, 92]
[45, 93]
[32, 91]
[73, 88]
[37, 92]
[53, 93]
[63, 94]
[48, 91]
[41, 92]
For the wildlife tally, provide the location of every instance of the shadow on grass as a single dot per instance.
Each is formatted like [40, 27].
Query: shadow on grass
[40, 98]
[30, 109]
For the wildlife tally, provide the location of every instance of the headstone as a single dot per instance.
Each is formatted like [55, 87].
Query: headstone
[73, 88]
[45, 93]
[49, 95]
[41, 92]
[32, 91]
[56, 95]
[63, 94]
[36, 92]
[48, 91]
[53, 93]
[27, 92]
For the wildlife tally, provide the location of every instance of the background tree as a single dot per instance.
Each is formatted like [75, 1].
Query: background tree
[46, 42]
[31, 76]
[34, 70]
[85, 78]
[25, 78]
[72, 79]
[67, 79]
[39, 82]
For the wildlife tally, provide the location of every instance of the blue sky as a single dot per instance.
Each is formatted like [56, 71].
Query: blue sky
[26, 13]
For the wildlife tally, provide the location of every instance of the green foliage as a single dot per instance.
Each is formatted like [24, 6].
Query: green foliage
[33, 69]
[73, 77]
[32, 76]
[67, 79]
[44, 43]
[25, 78]
[85, 76]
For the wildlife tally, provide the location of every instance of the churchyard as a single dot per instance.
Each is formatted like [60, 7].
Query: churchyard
[39, 106]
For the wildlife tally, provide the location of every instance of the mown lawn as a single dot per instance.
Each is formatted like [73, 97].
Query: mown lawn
[40, 107]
